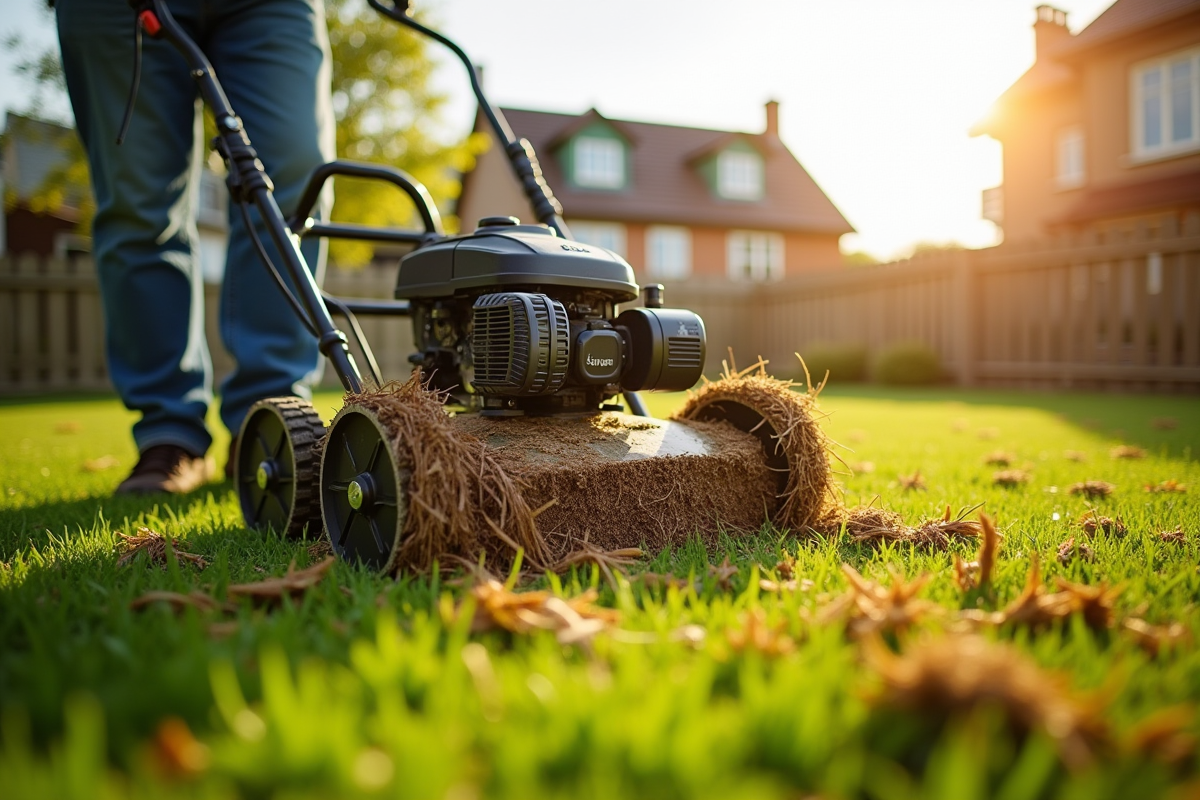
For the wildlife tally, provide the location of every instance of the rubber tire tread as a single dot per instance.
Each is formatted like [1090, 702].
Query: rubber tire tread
[305, 433]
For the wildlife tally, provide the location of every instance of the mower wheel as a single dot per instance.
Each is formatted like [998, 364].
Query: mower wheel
[275, 466]
[364, 490]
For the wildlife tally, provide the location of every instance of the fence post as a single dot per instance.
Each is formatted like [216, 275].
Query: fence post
[965, 314]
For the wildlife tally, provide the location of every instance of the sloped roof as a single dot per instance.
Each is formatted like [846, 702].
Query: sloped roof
[664, 188]
[1043, 76]
[1125, 18]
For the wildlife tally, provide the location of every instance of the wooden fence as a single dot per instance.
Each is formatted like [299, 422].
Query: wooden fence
[1117, 310]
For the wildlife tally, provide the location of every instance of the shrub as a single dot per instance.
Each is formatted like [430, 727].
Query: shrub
[845, 362]
[907, 364]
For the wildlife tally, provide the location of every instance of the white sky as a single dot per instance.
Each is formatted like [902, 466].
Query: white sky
[876, 95]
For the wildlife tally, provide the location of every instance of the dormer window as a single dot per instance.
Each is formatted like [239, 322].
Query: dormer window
[739, 175]
[599, 163]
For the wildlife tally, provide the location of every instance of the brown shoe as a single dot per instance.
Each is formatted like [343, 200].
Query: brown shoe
[166, 468]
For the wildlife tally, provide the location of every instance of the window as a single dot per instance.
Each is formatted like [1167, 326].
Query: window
[599, 163]
[609, 235]
[993, 204]
[755, 256]
[1068, 159]
[1166, 105]
[739, 175]
[668, 252]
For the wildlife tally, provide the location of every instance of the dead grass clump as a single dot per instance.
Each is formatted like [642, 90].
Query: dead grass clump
[1075, 455]
[1176, 536]
[460, 500]
[951, 676]
[978, 573]
[1036, 608]
[572, 621]
[1164, 423]
[999, 458]
[1009, 478]
[912, 483]
[1154, 638]
[869, 607]
[878, 526]
[937, 534]
[156, 547]
[1070, 549]
[1092, 490]
[1171, 486]
[1127, 451]
[786, 422]
[756, 635]
[320, 549]
[1094, 523]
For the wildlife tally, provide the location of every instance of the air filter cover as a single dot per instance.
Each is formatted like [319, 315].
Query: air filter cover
[520, 342]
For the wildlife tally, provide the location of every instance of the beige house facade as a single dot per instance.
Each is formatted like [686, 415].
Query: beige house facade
[1104, 129]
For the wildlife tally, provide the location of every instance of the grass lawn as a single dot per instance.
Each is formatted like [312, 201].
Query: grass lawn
[368, 686]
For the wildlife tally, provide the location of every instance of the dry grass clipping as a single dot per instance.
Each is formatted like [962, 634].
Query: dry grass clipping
[293, 584]
[1171, 486]
[460, 500]
[877, 526]
[950, 676]
[572, 621]
[1176, 536]
[756, 635]
[999, 458]
[789, 428]
[1069, 550]
[1092, 490]
[1036, 608]
[978, 573]
[1127, 451]
[155, 546]
[1154, 638]
[912, 483]
[870, 608]
[1094, 523]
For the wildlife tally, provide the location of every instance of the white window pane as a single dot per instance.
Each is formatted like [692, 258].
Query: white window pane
[1152, 108]
[1181, 101]
[668, 252]
[739, 175]
[609, 235]
[599, 163]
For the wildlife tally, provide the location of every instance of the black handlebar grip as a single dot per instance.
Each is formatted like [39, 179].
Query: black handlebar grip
[524, 159]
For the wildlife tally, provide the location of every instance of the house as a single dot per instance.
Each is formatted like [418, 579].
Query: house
[676, 202]
[36, 151]
[1104, 129]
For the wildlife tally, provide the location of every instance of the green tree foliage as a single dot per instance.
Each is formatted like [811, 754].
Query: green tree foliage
[386, 112]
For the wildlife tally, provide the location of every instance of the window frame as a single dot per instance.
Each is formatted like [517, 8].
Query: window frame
[1166, 148]
[1062, 140]
[770, 269]
[655, 268]
[726, 160]
[583, 178]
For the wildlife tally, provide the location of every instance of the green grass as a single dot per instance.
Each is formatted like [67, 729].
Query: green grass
[361, 688]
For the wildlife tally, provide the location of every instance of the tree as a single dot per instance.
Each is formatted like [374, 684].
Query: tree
[385, 108]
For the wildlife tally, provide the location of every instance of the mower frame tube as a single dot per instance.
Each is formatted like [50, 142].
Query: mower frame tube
[249, 182]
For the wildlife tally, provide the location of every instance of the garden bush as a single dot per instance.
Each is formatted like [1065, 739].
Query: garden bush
[845, 362]
[907, 364]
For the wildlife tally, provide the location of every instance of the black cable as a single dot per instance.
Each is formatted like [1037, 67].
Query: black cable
[266, 260]
[137, 79]
[360, 338]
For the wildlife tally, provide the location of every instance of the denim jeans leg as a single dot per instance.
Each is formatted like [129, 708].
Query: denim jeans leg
[272, 56]
[144, 235]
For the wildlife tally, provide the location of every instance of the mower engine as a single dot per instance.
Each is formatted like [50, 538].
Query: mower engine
[512, 319]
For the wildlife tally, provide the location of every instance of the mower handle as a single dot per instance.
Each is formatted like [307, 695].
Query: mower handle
[301, 223]
[521, 156]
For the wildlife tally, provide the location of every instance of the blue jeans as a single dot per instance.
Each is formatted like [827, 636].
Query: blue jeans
[272, 57]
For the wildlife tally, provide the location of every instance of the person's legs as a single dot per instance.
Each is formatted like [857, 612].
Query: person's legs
[144, 231]
[272, 56]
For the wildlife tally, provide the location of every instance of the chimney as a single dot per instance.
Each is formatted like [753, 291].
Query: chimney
[772, 118]
[1050, 30]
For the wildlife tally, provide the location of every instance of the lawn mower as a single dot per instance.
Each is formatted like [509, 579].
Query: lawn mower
[507, 438]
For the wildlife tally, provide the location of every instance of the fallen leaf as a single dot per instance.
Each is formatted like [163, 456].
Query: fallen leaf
[1154, 638]
[176, 750]
[100, 464]
[1166, 487]
[573, 621]
[293, 584]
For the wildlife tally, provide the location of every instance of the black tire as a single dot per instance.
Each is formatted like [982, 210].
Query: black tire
[276, 466]
[364, 490]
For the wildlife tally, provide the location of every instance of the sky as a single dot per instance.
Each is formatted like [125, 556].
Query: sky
[876, 96]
